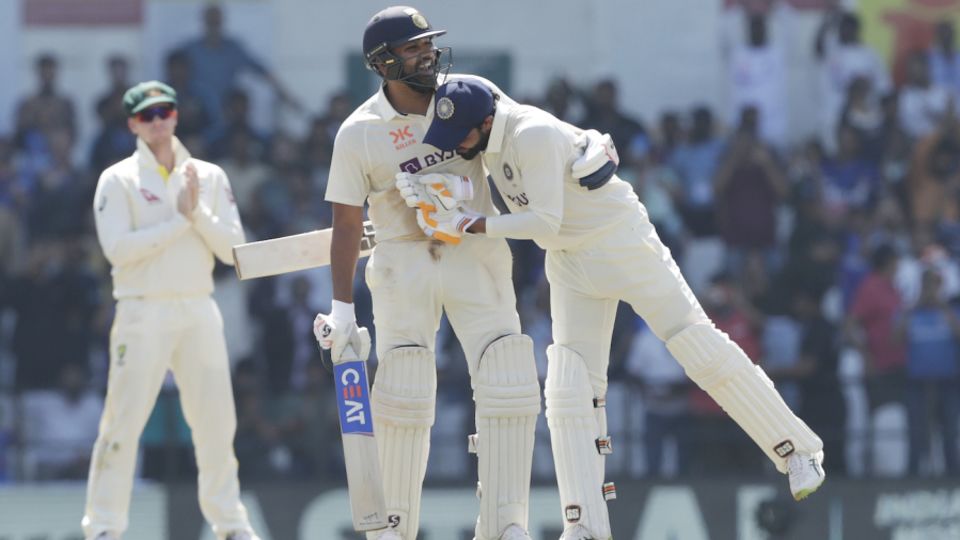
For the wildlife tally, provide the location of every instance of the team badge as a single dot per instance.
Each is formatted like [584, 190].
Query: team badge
[445, 108]
[507, 171]
[420, 21]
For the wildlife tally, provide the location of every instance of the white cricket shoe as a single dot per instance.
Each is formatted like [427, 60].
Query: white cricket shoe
[579, 532]
[390, 534]
[107, 535]
[515, 532]
[806, 474]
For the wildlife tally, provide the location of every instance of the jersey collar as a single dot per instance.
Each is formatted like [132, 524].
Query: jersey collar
[146, 156]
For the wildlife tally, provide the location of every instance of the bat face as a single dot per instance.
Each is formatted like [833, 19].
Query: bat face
[292, 253]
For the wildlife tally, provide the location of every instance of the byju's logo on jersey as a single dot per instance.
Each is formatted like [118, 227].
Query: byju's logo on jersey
[353, 399]
[402, 138]
[415, 165]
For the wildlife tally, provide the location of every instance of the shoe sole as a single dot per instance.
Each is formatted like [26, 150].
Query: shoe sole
[804, 493]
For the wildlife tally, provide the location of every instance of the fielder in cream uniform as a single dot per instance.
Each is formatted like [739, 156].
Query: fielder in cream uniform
[161, 217]
[413, 280]
[560, 184]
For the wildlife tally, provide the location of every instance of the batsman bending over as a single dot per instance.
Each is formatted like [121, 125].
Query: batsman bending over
[560, 184]
[413, 279]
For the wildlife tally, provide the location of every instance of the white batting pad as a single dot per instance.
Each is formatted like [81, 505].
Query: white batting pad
[507, 396]
[403, 398]
[574, 429]
[721, 368]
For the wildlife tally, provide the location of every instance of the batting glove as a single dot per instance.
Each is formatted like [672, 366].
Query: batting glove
[447, 226]
[344, 339]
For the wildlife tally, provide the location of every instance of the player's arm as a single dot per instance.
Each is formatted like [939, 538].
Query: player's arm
[345, 249]
[113, 216]
[216, 218]
[544, 166]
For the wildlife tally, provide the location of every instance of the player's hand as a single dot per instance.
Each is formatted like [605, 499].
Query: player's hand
[411, 190]
[189, 196]
[446, 188]
[337, 336]
[447, 226]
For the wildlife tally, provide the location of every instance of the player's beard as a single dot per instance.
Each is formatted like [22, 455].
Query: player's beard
[477, 148]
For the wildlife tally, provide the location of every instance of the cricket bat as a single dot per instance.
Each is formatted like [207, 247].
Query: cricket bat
[291, 253]
[364, 480]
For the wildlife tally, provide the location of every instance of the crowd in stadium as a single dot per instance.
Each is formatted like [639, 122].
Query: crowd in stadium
[834, 262]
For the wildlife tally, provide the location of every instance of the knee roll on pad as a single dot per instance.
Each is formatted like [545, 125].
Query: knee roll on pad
[403, 400]
[574, 415]
[721, 368]
[507, 395]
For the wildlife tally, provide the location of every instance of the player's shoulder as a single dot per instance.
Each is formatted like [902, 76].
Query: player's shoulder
[125, 168]
[206, 169]
[361, 117]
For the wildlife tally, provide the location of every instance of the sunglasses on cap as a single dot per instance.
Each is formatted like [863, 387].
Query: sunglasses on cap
[160, 111]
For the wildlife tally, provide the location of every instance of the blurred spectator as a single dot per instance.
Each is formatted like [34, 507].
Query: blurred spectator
[843, 57]
[193, 115]
[930, 331]
[822, 403]
[246, 172]
[748, 187]
[665, 389]
[850, 181]
[60, 426]
[605, 116]
[52, 298]
[45, 111]
[934, 179]
[863, 113]
[118, 75]
[236, 119]
[562, 100]
[945, 59]
[670, 135]
[695, 162]
[757, 76]
[307, 417]
[922, 103]
[258, 444]
[114, 141]
[870, 328]
[60, 204]
[216, 61]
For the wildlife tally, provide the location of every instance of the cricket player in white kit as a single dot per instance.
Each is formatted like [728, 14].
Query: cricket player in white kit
[161, 217]
[413, 280]
[560, 184]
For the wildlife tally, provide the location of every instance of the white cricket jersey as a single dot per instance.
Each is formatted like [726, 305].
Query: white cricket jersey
[529, 155]
[375, 143]
[154, 250]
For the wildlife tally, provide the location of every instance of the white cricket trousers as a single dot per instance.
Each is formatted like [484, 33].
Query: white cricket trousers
[149, 337]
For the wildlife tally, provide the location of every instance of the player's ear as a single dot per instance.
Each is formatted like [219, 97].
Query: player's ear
[131, 124]
[488, 124]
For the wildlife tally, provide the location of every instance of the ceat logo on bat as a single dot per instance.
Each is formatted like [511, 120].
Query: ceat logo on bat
[353, 399]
